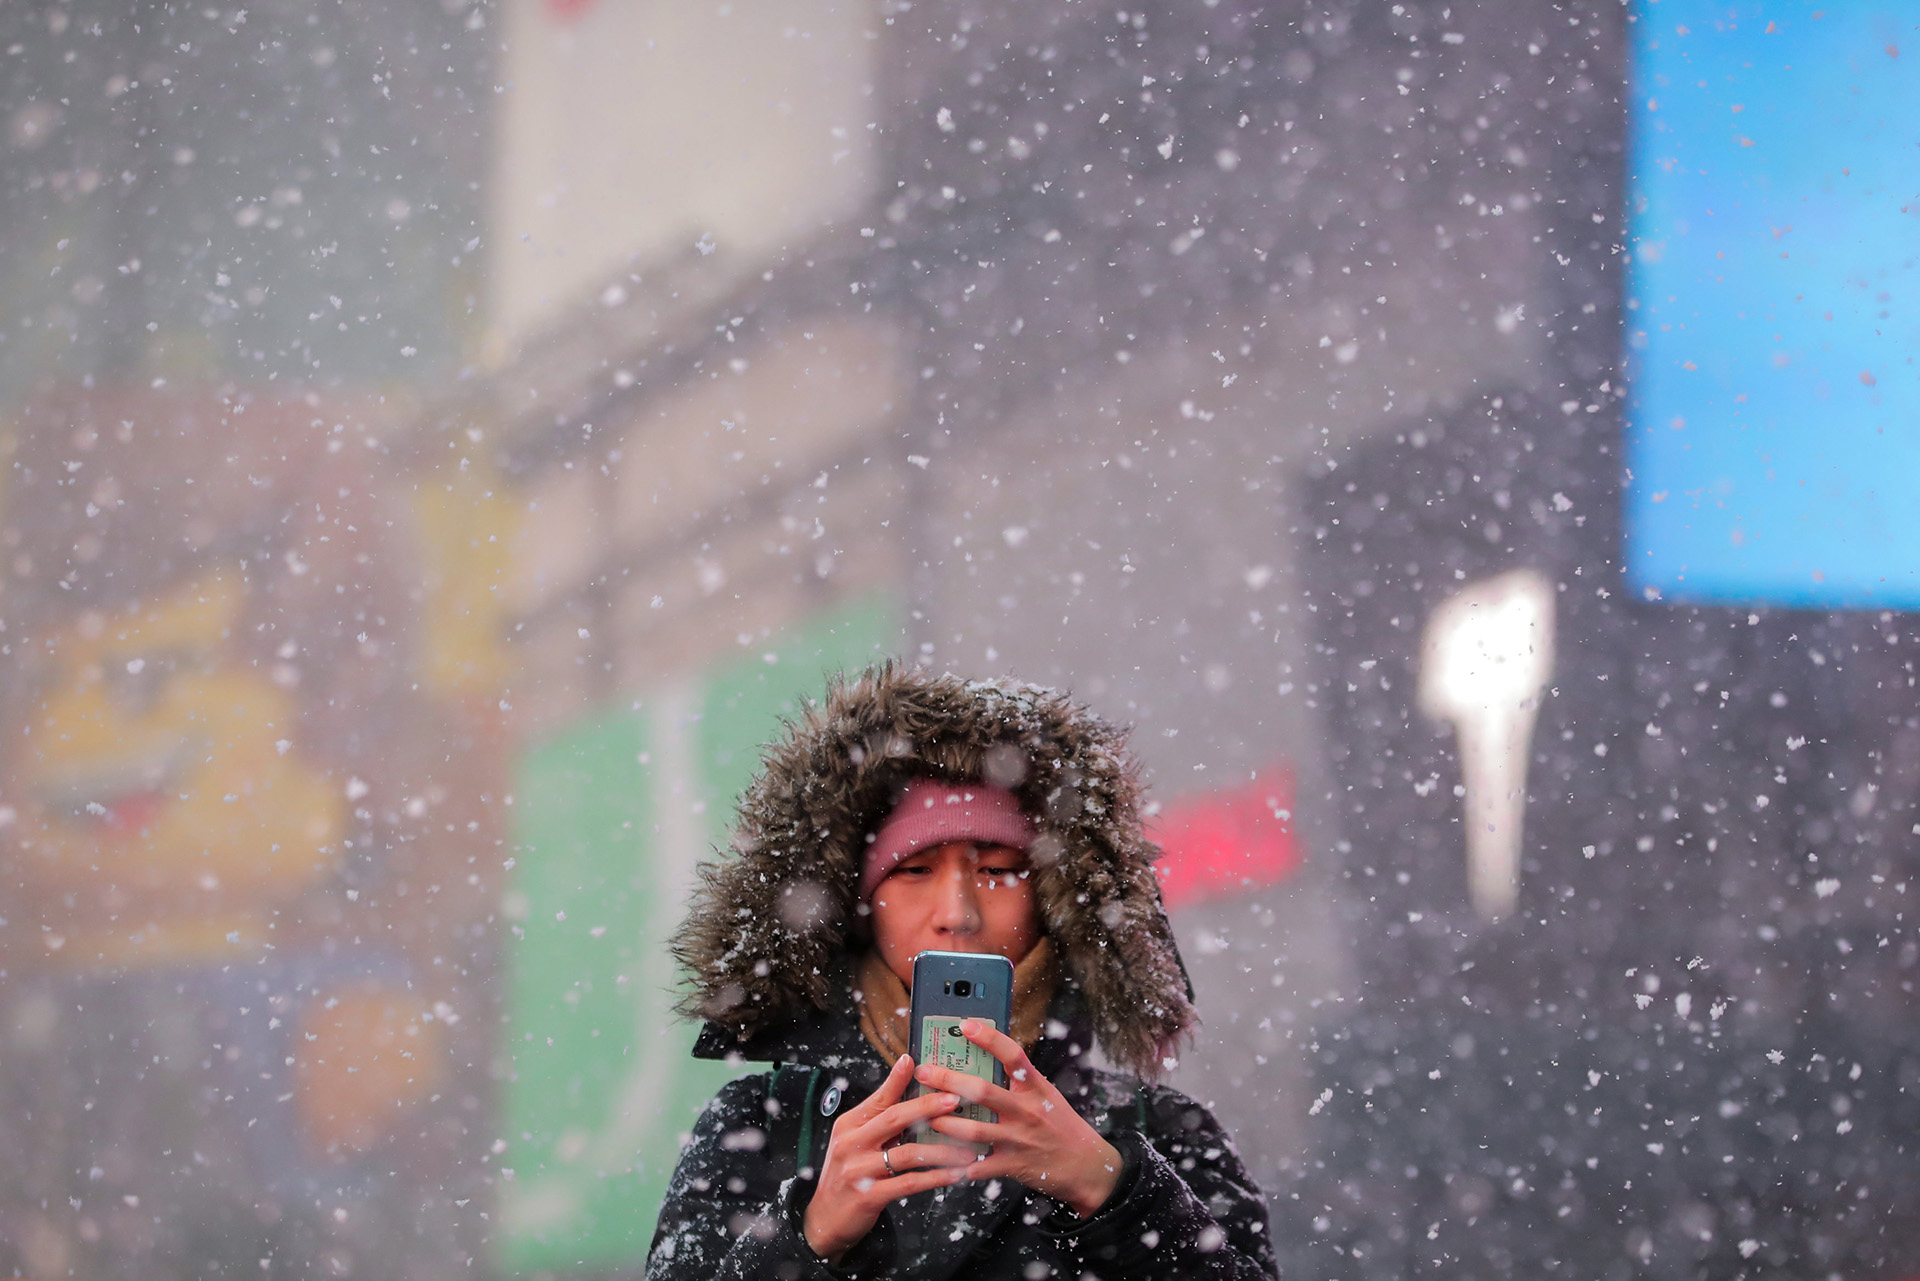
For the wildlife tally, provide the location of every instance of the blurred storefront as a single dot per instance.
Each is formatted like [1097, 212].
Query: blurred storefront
[253, 766]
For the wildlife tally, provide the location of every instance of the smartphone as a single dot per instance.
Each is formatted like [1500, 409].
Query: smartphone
[949, 987]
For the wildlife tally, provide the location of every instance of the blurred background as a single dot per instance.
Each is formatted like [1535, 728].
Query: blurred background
[1474, 444]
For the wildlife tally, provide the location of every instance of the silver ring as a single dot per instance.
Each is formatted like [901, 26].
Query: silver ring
[886, 1159]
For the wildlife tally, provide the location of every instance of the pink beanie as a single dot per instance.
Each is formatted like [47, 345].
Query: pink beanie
[934, 813]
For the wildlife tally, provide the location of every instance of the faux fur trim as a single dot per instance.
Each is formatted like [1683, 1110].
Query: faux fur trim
[770, 920]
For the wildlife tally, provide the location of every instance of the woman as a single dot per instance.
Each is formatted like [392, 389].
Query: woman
[913, 812]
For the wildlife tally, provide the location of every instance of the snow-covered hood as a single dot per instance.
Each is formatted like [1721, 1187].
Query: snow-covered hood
[773, 922]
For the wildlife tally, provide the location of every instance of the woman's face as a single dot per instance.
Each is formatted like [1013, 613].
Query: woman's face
[958, 897]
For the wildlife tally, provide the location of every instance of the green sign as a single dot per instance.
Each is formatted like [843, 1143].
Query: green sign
[611, 818]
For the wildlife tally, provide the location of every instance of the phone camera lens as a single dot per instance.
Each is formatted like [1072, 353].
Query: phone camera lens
[963, 987]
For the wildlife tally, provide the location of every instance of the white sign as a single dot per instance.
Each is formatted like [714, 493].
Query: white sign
[1485, 660]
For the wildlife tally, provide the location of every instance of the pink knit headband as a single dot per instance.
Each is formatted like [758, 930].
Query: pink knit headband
[932, 813]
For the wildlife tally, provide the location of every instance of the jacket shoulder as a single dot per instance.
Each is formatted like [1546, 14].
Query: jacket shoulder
[735, 1123]
[1185, 1177]
[1147, 1102]
[749, 1088]
[1178, 1113]
[736, 1107]
[1177, 1124]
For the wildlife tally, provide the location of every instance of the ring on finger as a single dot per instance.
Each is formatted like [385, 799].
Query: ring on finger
[886, 1159]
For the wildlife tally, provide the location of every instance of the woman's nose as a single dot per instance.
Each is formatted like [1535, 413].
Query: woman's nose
[959, 909]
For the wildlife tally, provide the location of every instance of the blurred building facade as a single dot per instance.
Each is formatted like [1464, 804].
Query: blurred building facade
[253, 764]
[528, 403]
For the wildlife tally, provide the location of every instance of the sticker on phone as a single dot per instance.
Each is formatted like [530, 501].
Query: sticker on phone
[942, 1043]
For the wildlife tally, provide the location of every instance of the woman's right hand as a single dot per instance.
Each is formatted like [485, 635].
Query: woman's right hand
[855, 1183]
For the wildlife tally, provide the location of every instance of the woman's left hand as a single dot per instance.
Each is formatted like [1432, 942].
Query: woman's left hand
[1039, 1139]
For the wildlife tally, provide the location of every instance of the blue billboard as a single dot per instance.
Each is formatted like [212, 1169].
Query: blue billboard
[1773, 311]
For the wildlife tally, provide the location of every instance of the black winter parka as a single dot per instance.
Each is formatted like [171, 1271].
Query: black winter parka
[767, 949]
[1184, 1206]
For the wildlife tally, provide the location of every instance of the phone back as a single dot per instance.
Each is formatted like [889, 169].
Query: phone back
[948, 987]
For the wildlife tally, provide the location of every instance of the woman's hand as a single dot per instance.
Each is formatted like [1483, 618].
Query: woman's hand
[1039, 1140]
[860, 1175]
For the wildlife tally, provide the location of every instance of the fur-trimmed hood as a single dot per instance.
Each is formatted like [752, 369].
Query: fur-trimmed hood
[772, 925]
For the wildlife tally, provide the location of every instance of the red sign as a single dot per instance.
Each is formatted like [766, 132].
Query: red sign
[1227, 842]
